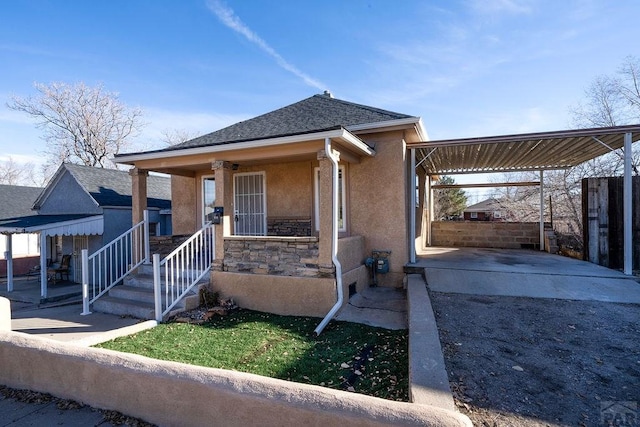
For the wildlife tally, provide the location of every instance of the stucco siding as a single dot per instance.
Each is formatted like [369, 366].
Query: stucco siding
[184, 207]
[284, 295]
[289, 188]
[68, 198]
[378, 208]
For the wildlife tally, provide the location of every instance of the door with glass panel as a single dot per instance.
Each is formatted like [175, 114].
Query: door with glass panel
[249, 194]
[208, 198]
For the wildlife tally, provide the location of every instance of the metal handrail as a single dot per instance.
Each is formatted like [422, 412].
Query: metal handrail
[183, 268]
[106, 267]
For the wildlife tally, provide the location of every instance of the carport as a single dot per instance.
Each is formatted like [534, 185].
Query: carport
[518, 153]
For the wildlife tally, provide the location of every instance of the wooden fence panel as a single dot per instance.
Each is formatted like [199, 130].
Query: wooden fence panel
[603, 220]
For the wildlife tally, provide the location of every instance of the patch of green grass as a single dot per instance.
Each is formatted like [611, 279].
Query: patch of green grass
[284, 347]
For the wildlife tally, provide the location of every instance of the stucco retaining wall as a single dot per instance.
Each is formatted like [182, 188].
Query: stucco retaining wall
[284, 295]
[5, 314]
[174, 394]
[486, 234]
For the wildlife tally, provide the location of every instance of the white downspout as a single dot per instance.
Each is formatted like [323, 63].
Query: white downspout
[334, 239]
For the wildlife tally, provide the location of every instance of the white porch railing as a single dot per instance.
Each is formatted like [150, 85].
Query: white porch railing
[183, 268]
[109, 265]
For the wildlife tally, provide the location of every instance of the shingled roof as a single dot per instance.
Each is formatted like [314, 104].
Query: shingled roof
[314, 114]
[112, 187]
[16, 201]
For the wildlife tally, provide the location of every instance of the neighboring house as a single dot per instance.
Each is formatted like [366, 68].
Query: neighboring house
[272, 179]
[486, 210]
[83, 207]
[16, 201]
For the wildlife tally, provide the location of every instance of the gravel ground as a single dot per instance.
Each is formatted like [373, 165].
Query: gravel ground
[537, 362]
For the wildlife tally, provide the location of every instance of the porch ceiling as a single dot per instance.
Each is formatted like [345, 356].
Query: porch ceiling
[523, 152]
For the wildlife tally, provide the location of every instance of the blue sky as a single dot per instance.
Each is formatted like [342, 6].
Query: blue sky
[467, 67]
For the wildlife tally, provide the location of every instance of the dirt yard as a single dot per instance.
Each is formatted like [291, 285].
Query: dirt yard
[538, 362]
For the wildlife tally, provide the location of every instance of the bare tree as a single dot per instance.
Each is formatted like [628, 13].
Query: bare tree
[177, 136]
[81, 124]
[611, 100]
[13, 173]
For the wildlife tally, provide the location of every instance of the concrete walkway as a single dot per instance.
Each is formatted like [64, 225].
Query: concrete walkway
[377, 306]
[65, 323]
[524, 273]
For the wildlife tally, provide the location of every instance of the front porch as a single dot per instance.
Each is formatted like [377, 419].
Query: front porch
[27, 289]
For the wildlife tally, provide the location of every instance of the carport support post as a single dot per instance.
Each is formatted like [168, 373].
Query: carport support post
[8, 256]
[430, 209]
[627, 208]
[412, 209]
[542, 210]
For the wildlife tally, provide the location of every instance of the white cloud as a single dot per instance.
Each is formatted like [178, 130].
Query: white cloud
[231, 20]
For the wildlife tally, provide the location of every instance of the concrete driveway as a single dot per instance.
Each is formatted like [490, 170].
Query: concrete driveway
[524, 273]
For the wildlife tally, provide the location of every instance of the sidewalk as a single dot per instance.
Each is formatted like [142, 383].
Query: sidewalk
[65, 323]
[62, 323]
[28, 408]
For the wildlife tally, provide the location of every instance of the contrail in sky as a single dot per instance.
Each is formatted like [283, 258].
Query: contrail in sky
[231, 20]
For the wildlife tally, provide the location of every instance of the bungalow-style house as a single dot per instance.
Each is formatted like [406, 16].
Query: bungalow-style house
[84, 207]
[16, 201]
[486, 210]
[299, 197]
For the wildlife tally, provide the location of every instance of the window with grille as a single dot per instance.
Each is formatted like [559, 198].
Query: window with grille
[250, 204]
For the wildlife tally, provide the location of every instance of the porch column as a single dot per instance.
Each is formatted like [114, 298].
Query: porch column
[325, 208]
[8, 256]
[224, 198]
[138, 194]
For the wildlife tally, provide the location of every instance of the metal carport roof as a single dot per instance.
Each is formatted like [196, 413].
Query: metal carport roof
[522, 152]
[527, 152]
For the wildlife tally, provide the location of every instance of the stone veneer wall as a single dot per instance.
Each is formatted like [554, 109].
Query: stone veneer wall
[273, 255]
[289, 227]
[505, 235]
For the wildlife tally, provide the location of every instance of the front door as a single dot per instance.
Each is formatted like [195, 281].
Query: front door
[250, 202]
[79, 243]
[208, 198]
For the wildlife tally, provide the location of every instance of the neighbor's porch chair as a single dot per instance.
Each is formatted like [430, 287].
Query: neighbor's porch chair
[62, 269]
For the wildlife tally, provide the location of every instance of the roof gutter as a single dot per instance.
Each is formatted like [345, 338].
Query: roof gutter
[334, 239]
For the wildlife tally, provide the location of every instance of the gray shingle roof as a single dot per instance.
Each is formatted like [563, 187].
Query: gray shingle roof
[111, 187]
[314, 114]
[17, 201]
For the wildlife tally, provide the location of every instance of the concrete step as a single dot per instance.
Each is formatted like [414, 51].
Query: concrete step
[124, 307]
[138, 302]
[133, 293]
[144, 281]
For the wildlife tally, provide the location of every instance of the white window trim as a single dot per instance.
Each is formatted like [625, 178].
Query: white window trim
[473, 215]
[316, 196]
[264, 199]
